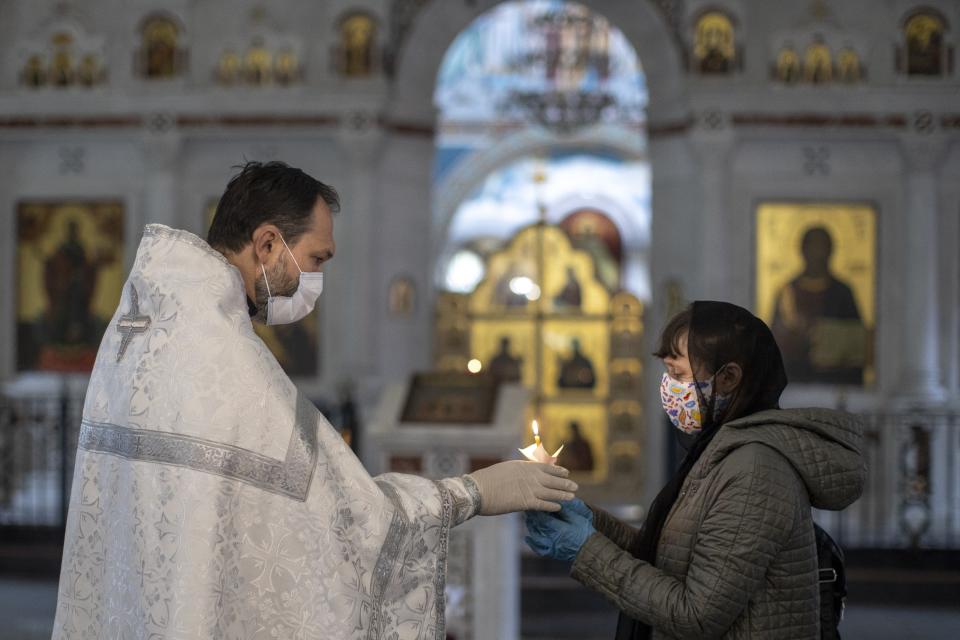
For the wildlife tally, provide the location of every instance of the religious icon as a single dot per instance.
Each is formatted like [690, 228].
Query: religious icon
[506, 349]
[296, 346]
[61, 66]
[819, 299]
[89, 72]
[848, 66]
[576, 371]
[401, 297]
[675, 299]
[357, 41]
[625, 375]
[593, 231]
[228, 67]
[258, 63]
[515, 289]
[577, 454]
[925, 44]
[818, 62]
[34, 72]
[624, 416]
[504, 366]
[714, 48]
[70, 275]
[569, 298]
[450, 398]
[788, 65]
[286, 67]
[159, 49]
[582, 430]
[626, 337]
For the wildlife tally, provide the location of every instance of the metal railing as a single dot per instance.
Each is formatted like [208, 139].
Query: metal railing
[38, 443]
[911, 498]
[912, 494]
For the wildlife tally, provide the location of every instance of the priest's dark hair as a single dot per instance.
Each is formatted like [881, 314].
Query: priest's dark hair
[267, 192]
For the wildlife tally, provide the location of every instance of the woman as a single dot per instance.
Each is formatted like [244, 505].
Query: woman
[727, 549]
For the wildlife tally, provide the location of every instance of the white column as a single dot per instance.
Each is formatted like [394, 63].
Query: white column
[351, 324]
[712, 144]
[161, 148]
[920, 373]
[677, 215]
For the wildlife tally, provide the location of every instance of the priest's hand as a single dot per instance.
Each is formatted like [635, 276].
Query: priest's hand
[518, 485]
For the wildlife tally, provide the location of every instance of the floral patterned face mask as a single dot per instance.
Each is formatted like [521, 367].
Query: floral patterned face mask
[682, 403]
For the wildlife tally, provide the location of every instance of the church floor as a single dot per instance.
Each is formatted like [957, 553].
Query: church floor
[27, 606]
[869, 622]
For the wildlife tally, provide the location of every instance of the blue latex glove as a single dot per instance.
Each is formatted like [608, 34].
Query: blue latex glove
[560, 535]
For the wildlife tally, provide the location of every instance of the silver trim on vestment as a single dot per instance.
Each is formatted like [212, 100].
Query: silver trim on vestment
[290, 477]
[440, 577]
[387, 560]
[473, 490]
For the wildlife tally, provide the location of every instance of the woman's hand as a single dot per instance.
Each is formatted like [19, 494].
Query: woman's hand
[560, 536]
[518, 485]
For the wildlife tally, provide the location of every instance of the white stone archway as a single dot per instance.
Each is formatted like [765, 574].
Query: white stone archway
[440, 22]
[407, 229]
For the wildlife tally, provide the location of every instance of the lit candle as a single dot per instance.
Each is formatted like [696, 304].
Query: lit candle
[536, 452]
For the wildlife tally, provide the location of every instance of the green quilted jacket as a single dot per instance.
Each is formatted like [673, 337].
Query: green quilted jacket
[736, 558]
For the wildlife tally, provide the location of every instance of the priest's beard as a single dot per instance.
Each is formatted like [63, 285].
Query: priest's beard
[281, 284]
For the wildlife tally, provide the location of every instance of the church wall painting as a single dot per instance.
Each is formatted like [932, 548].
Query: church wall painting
[69, 279]
[816, 288]
[296, 346]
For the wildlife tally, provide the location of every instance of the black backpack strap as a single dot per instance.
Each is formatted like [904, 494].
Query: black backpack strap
[832, 582]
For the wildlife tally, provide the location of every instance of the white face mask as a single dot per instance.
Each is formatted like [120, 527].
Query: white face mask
[289, 309]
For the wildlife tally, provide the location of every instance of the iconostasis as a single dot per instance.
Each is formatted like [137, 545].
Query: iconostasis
[542, 316]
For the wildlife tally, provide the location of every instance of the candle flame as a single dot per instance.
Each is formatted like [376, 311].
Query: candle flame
[536, 428]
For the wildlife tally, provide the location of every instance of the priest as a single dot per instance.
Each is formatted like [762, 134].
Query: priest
[210, 498]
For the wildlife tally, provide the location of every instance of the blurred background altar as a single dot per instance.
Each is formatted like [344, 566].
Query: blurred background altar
[530, 189]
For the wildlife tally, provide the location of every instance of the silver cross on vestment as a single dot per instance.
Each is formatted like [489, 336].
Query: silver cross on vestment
[131, 323]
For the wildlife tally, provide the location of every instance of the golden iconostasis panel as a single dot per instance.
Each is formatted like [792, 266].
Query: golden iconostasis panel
[515, 282]
[296, 346]
[582, 430]
[575, 359]
[511, 284]
[816, 283]
[543, 317]
[570, 281]
[69, 280]
[506, 349]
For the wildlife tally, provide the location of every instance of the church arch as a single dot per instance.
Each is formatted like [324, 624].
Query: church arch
[438, 24]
